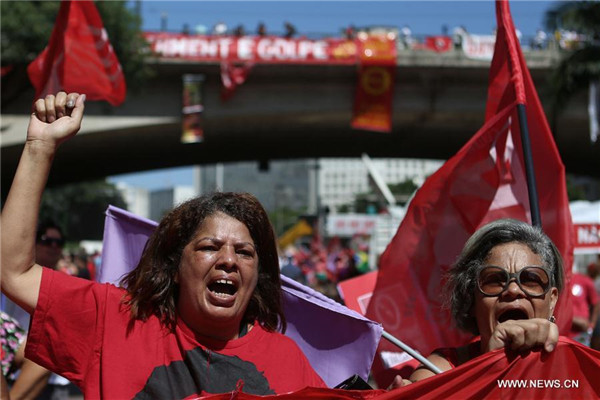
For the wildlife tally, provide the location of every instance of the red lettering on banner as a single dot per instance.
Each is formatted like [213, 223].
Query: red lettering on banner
[349, 225]
[479, 46]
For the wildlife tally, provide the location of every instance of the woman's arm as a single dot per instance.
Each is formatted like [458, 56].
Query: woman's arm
[4, 389]
[32, 379]
[422, 372]
[55, 119]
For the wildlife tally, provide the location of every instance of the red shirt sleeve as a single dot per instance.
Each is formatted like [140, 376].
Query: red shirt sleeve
[67, 324]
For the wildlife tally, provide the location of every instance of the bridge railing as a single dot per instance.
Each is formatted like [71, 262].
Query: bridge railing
[415, 42]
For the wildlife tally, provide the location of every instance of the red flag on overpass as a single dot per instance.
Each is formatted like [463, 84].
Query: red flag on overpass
[484, 181]
[79, 57]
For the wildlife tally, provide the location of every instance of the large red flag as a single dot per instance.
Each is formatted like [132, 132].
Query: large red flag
[484, 181]
[79, 57]
[569, 372]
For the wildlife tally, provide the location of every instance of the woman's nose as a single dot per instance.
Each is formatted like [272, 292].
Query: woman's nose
[227, 256]
[513, 289]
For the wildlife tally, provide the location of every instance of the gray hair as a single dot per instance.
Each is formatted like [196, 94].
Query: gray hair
[462, 276]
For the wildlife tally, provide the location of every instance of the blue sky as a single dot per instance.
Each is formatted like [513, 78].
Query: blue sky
[325, 17]
[423, 17]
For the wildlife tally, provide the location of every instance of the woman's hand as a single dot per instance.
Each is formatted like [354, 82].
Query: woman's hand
[55, 119]
[524, 334]
[398, 382]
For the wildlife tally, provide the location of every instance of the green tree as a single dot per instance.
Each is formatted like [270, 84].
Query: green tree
[574, 191]
[403, 190]
[26, 28]
[79, 208]
[283, 218]
[580, 65]
[370, 201]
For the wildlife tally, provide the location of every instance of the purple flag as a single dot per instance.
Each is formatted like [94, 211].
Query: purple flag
[337, 341]
[125, 235]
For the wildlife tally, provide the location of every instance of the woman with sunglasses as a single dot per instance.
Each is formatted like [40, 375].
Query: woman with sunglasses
[503, 287]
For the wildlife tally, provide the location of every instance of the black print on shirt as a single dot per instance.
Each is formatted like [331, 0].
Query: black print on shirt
[203, 370]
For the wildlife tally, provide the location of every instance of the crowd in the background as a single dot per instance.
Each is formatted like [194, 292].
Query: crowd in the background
[322, 265]
[79, 263]
[407, 40]
[585, 291]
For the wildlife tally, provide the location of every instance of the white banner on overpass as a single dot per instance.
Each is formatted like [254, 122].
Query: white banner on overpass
[479, 47]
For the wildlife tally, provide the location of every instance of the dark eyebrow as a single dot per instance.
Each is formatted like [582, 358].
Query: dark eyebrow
[244, 244]
[219, 241]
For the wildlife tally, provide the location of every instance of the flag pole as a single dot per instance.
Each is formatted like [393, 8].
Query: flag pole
[415, 354]
[534, 204]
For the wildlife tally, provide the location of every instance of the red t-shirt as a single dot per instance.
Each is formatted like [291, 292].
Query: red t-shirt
[81, 330]
[584, 295]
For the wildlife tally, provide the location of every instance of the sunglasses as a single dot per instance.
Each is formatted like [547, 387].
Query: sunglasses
[48, 241]
[533, 281]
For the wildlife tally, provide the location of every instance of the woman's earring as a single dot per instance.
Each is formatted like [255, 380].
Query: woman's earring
[552, 319]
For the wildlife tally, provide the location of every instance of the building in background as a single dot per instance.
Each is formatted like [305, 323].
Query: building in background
[162, 201]
[136, 198]
[341, 179]
[279, 184]
[303, 185]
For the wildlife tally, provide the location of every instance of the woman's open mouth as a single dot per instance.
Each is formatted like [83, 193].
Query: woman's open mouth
[514, 314]
[223, 288]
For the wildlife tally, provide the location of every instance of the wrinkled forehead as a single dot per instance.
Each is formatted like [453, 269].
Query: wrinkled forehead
[513, 256]
[216, 217]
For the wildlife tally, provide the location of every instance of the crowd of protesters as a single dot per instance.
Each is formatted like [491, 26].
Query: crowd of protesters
[585, 291]
[221, 29]
[407, 40]
[322, 265]
[79, 263]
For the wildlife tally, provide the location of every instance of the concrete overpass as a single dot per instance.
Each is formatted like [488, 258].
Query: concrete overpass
[292, 111]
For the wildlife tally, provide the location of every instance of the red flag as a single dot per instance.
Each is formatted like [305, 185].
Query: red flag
[439, 43]
[569, 372]
[484, 181]
[79, 57]
[232, 76]
[510, 66]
